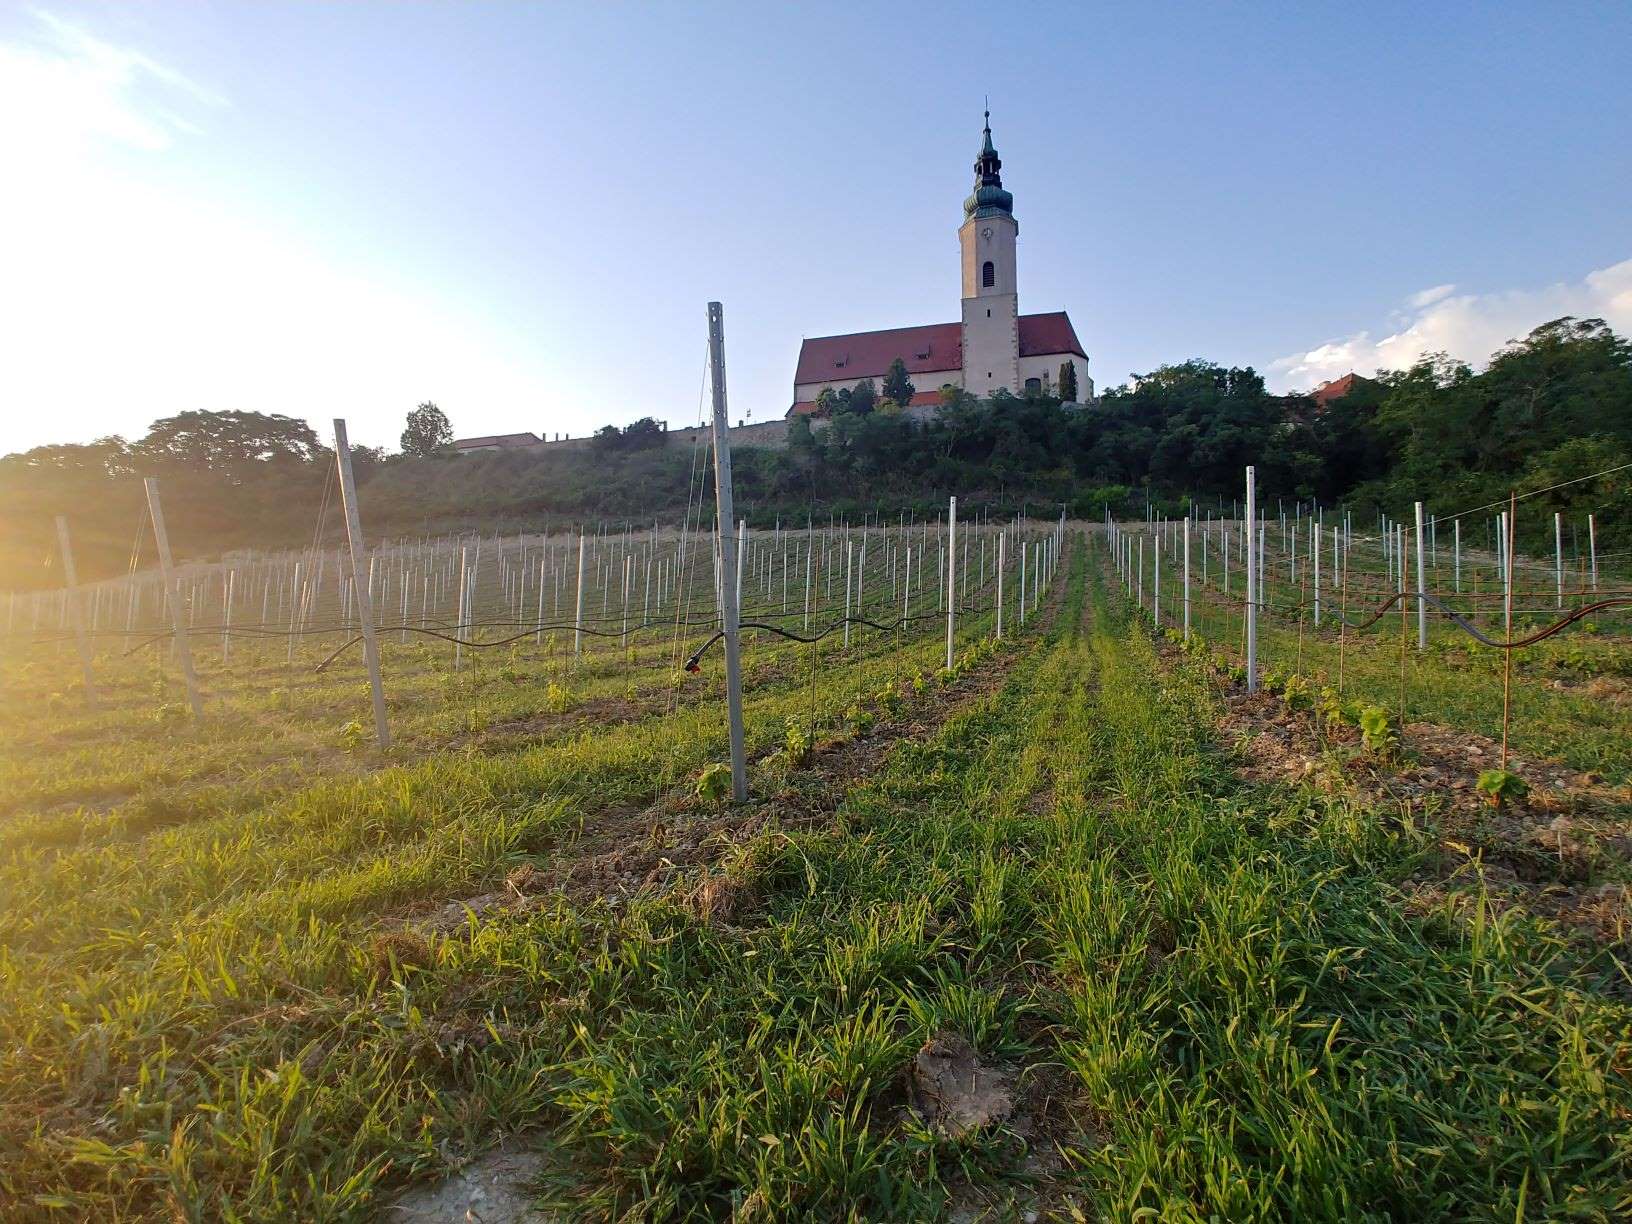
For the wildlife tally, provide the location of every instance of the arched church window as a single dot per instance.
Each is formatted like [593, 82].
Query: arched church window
[988, 275]
[1034, 386]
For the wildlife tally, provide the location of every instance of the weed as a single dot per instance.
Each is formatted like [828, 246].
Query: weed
[1377, 731]
[1501, 787]
[714, 784]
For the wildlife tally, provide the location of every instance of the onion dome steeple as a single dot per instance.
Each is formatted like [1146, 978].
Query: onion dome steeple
[988, 199]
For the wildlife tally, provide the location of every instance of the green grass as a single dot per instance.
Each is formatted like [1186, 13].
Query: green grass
[1571, 696]
[1218, 985]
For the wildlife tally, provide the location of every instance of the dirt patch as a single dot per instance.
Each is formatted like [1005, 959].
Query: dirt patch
[954, 1092]
[1562, 851]
[492, 1189]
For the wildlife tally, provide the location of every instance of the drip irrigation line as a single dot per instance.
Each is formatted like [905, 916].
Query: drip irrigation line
[530, 630]
[695, 661]
[1467, 627]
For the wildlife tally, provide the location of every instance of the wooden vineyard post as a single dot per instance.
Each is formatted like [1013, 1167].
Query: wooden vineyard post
[363, 589]
[76, 615]
[184, 649]
[1252, 580]
[722, 493]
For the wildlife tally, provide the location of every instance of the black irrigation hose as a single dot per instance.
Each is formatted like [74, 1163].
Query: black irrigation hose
[695, 661]
[1541, 635]
[1467, 627]
[613, 633]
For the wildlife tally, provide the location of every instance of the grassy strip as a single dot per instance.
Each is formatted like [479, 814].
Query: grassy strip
[1557, 712]
[136, 977]
[1068, 873]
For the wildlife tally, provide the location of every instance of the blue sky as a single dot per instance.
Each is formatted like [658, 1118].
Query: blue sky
[521, 211]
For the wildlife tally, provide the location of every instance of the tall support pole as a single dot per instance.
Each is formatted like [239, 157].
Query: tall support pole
[722, 493]
[1156, 581]
[1558, 553]
[1592, 552]
[578, 613]
[849, 566]
[1020, 617]
[742, 551]
[951, 577]
[1186, 575]
[1504, 535]
[1314, 556]
[171, 596]
[1252, 579]
[1002, 538]
[75, 613]
[365, 595]
[1456, 553]
[1422, 586]
[461, 610]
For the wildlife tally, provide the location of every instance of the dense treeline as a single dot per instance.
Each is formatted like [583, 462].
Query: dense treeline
[1547, 409]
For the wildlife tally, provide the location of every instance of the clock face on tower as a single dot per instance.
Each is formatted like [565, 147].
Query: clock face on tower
[986, 233]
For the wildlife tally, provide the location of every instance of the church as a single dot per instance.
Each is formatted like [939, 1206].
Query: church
[993, 347]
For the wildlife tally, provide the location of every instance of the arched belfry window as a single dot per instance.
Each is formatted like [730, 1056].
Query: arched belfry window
[988, 275]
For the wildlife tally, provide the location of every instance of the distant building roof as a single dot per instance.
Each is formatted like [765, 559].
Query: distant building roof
[496, 442]
[1336, 389]
[1042, 335]
[931, 349]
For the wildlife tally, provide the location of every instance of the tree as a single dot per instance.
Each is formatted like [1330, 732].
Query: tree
[802, 439]
[1068, 381]
[897, 386]
[644, 434]
[863, 396]
[428, 432]
[229, 441]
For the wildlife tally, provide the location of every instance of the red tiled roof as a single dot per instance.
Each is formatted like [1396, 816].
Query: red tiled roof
[1336, 389]
[931, 349]
[1042, 335]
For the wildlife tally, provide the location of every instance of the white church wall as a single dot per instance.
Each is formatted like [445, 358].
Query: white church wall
[1047, 367]
[928, 380]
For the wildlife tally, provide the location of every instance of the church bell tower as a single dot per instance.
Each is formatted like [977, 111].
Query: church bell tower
[991, 307]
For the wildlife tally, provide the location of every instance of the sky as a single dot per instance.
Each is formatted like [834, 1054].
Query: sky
[520, 211]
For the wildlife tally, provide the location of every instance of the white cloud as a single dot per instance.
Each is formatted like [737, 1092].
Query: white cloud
[126, 297]
[65, 92]
[1467, 326]
[1428, 297]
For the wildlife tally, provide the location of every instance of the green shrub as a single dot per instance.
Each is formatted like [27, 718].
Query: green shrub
[714, 784]
[1501, 787]
[1377, 731]
[353, 736]
[798, 742]
[1297, 693]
